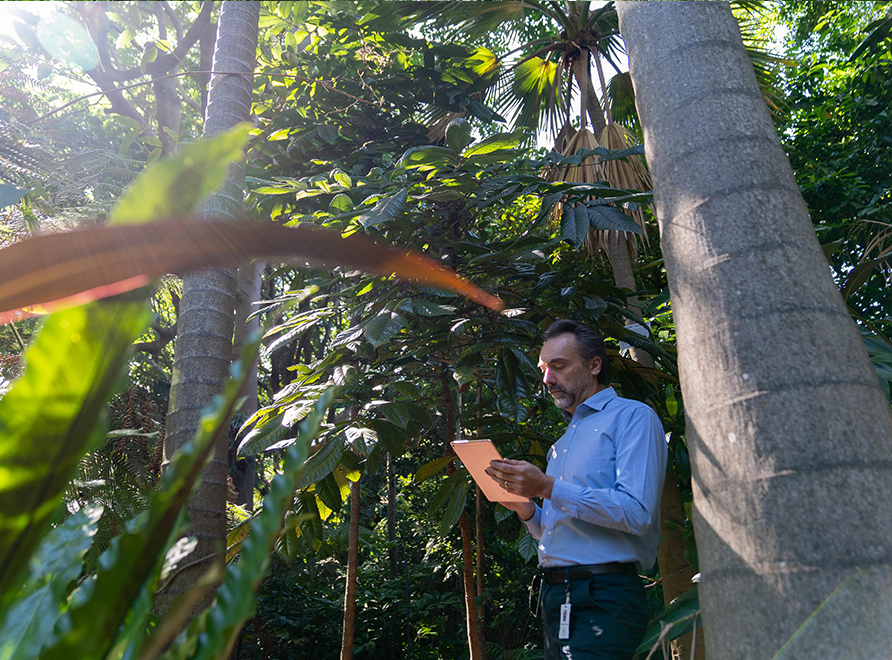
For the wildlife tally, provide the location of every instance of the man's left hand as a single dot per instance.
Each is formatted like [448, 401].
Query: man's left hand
[521, 478]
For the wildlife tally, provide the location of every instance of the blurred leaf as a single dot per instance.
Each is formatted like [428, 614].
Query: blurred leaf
[429, 158]
[177, 185]
[50, 417]
[57, 562]
[340, 204]
[95, 262]
[130, 567]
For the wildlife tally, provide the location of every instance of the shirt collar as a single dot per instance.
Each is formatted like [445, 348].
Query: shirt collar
[595, 403]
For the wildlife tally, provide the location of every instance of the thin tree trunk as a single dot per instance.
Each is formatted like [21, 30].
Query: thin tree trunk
[249, 287]
[481, 555]
[205, 323]
[391, 513]
[352, 565]
[787, 425]
[467, 553]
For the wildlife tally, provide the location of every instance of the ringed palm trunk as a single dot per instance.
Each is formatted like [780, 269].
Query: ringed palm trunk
[788, 427]
[205, 323]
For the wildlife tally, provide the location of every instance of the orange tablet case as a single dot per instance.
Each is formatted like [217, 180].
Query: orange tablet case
[476, 455]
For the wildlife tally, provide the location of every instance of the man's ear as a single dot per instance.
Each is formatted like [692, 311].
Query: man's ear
[596, 366]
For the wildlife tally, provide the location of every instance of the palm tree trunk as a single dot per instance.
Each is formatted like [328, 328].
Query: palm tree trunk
[205, 323]
[352, 566]
[588, 97]
[787, 425]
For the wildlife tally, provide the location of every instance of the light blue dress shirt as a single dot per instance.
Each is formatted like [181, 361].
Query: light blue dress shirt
[608, 469]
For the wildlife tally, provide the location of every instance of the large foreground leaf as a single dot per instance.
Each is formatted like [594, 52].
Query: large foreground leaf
[133, 561]
[50, 418]
[92, 263]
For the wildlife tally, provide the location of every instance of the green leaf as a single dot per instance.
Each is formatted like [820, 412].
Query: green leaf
[679, 616]
[341, 203]
[605, 218]
[390, 436]
[456, 503]
[321, 463]
[329, 492]
[177, 185]
[116, 594]
[502, 513]
[499, 142]
[384, 327]
[343, 178]
[262, 436]
[458, 134]
[574, 224]
[10, 194]
[511, 387]
[432, 468]
[428, 158]
[57, 562]
[125, 37]
[386, 209]
[396, 413]
[288, 544]
[50, 418]
[527, 546]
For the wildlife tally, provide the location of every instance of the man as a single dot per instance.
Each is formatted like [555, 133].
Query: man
[598, 525]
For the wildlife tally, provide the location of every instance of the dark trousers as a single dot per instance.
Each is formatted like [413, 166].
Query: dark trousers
[608, 618]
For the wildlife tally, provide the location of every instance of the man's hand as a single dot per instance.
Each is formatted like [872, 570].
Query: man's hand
[521, 478]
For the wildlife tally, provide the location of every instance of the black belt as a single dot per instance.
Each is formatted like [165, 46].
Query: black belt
[584, 572]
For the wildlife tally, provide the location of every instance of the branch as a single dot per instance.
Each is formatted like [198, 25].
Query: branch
[325, 83]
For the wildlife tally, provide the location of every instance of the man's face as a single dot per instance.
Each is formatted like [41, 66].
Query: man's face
[569, 378]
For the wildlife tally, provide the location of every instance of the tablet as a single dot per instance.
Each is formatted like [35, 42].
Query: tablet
[476, 455]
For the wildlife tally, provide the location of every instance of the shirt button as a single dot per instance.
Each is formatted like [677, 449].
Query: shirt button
[565, 451]
[574, 426]
[549, 533]
[562, 478]
[563, 508]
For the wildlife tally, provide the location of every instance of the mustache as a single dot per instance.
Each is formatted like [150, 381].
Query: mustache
[557, 388]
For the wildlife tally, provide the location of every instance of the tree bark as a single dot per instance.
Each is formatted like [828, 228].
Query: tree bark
[205, 323]
[481, 555]
[787, 425]
[352, 565]
[583, 78]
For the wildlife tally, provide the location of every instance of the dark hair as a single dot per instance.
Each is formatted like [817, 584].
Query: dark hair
[589, 343]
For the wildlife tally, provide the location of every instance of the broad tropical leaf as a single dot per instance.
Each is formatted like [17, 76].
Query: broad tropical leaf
[51, 416]
[386, 209]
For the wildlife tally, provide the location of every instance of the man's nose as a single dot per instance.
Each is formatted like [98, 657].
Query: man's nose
[548, 377]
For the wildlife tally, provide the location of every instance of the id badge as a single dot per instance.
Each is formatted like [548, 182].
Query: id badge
[564, 632]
